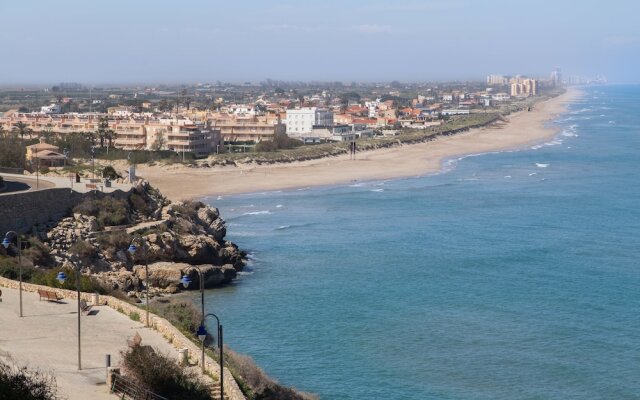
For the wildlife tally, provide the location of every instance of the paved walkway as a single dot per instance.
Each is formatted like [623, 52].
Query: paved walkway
[46, 338]
[47, 182]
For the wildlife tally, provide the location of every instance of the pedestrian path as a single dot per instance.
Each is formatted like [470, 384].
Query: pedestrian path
[46, 338]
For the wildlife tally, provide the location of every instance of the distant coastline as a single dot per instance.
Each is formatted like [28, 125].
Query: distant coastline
[524, 128]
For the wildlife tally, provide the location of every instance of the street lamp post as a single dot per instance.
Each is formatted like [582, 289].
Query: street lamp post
[62, 277]
[202, 335]
[6, 242]
[186, 281]
[132, 249]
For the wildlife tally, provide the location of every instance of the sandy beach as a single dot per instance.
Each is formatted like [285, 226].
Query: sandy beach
[523, 129]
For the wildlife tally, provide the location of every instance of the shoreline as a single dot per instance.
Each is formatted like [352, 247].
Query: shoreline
[524, 128]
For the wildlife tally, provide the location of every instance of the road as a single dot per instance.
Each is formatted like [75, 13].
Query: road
[21, 184]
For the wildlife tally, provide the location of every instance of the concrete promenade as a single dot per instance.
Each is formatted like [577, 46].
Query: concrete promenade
[48, 182]
[46, 338]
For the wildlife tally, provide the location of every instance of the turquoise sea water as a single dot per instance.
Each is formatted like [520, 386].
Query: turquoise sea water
[509, 276]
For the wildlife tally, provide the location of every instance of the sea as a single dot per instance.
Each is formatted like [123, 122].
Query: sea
[511, 275]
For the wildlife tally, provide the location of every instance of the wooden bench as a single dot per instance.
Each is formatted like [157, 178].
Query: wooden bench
[49, 296]
[91, 186]
[84, 307]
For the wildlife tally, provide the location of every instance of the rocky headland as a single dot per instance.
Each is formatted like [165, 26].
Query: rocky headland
[171, 238]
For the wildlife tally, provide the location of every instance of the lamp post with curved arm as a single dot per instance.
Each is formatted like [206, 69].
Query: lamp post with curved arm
[186, 281]
[62, 277]
[6, 242]
[202, 335]
[132, 249]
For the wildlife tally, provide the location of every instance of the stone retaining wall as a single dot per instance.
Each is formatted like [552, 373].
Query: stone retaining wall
[21, 211]
[164, 327]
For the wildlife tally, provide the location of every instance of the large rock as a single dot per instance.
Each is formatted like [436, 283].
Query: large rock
[167, 275]
[200, 249]
[162, 274]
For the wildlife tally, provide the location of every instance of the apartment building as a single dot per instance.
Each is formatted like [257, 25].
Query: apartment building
[247, 129]
[301, 121]
[131, 133]
[522, 87]
[493, 80]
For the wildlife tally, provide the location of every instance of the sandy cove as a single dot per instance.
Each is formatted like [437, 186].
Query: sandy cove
[523, 129]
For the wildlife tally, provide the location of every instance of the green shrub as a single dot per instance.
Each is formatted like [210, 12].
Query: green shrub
[189, 209]
[182, 314]
[44, 169]
[48, 278]
[20, 383]
[109, 211]
[280, 141]
[139, 204]
[9, 268]
[265, 146]
[134, 316]
[162, 375]
[84, 250]
[37, 252]
[110, 173]
[112, 242]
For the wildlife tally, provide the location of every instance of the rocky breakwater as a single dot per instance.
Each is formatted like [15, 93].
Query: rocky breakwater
[171, 237]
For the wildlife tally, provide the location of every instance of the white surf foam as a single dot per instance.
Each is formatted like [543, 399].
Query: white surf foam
[264, 212]
[540, 165]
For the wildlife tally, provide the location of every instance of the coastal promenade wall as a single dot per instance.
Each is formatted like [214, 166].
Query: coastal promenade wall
[21, 211]
[161, 325]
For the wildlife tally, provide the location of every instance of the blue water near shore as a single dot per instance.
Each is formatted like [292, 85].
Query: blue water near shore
[510, 276]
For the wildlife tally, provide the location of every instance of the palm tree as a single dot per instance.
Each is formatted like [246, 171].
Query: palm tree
[109, 134]
[103, 126]
[22, 129]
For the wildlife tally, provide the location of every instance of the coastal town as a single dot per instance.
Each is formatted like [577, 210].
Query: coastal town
[206, 119]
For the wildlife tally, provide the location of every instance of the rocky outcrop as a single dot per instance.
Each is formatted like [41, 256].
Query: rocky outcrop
[165, 277]
[176, 236]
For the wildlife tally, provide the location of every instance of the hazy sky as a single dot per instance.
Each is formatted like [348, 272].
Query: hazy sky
[118, 41]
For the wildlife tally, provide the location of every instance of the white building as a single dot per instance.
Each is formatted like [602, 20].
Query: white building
[454, 112]
[373, 107]
[496, 80]
[51, 109]
[300, 122]
[500, 96]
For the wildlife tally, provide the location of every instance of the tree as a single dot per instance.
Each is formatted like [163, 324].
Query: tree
[110, 134]
[103, 127]
[22, 129]
[12, 153]
[164, 105]
[158, 144]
